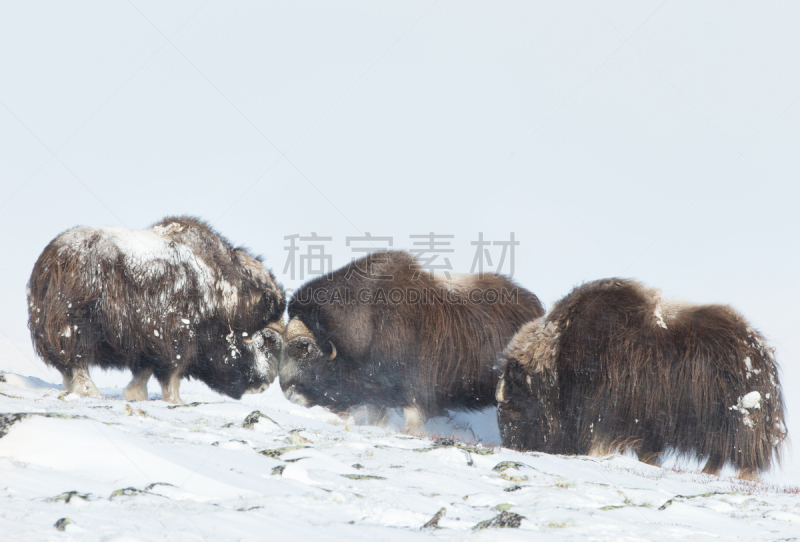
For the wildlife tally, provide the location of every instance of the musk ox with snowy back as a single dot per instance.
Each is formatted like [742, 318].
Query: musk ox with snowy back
[174, 301]
[612, 366]
[382, 331]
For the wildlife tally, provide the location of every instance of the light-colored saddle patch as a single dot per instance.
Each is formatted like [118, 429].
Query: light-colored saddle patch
[666, 310]
[173, 227]
[536, 346]
[458, 282]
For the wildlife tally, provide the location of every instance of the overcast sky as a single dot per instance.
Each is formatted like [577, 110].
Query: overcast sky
[649, 139]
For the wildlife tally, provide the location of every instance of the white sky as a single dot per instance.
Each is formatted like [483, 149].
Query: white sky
[656, 140]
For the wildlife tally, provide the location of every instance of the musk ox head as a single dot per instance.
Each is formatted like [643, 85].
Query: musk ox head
[305, 362]
[527, 390]
[525, 412]
[241, 362]
[267, 346]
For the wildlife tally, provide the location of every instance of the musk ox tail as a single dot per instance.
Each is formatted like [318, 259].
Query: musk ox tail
[733, 390]
[613, 366]
[59, 300]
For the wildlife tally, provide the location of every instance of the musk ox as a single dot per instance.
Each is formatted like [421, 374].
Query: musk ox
[174, 301]
[382, 331]
[612, 367]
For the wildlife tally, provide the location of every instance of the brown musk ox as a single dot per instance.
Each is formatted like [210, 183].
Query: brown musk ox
[174, 301]
[383, 332]
[614, 367]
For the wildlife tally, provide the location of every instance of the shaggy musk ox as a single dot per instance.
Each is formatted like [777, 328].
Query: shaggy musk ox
[176, 300]
[382, 331]
[613, 366]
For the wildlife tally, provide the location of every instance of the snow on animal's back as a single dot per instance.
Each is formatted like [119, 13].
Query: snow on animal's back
[148, 255]
[139, 248]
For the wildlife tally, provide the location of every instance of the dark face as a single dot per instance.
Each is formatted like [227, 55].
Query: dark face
[245, 363]
[525, 422]
[508, 416]
[310, 376]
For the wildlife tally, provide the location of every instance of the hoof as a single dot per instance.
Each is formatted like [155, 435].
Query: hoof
[750, 475]
[85, 389]
[415, 421]
[134, 394]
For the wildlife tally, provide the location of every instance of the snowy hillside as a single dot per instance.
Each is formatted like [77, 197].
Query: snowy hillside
[213, 470]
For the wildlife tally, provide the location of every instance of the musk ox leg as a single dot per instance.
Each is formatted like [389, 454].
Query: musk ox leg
[368, 414]
[650, 458]
[415, 421]
[747, 473]
[600, 449]
[714, 464]
[137, 389]
[649, 451]
[77, 380]
[170, 387]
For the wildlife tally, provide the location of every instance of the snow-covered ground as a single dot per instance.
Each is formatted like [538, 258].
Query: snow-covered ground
[127, 471]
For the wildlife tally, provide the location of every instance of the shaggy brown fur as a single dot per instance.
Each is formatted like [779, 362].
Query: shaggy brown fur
[613, 367]
[176, 300]
[424, 344]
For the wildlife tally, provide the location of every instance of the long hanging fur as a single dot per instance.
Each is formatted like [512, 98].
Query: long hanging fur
[176, 300]
[423, 354]
[613, 366]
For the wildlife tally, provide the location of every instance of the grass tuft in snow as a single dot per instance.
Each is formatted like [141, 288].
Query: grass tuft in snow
[761, 488]
[504, 520]
[276, 453]
[194, 404]
[252, 419]
[433, 523]
[363, 477]
[67, 496]
[505, 465]
[452, 443]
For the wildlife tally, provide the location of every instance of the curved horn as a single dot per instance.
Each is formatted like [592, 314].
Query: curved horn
[500, 394]
[333, 354]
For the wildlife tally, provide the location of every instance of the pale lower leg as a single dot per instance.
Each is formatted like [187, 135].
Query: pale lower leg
[137, 389]
[368, 415]
[599, 449]
[77, 380]
[170, 387]
[747, 473]
[415, 420]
